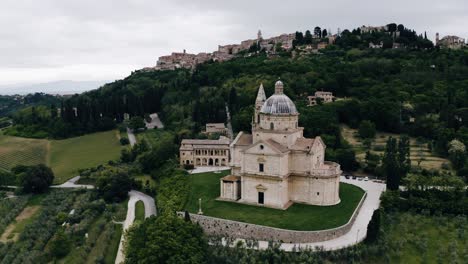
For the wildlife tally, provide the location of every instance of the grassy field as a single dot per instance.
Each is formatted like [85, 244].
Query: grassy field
[416, 238]
[65, 157]
[296, 217]
[22, 151]
[419, 152]
[139, 211]
[69, 155]
[150, 135]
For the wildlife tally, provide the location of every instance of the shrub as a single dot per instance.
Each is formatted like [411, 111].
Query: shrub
[189, 166]
[124, 141]
[35, 179]
[367, 129]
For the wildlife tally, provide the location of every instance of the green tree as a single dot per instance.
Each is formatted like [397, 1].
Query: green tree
[136, 123]
[114, 186]
[318, 32]
[324, 33]
[60, 245]
[373, 228]
[390, 164]
[308, 37]
[166, 239]
[366, 129]
[34, 179]
[7, 178]
[457, 153]
[404, 161]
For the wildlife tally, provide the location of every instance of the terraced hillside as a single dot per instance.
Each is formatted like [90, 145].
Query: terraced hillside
[420, 153]
[22, 151]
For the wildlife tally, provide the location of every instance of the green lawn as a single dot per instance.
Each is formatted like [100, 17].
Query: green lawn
[296, 217]
[139, 211]
[69, 155]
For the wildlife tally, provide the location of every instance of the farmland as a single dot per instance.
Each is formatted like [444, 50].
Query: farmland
[22, 151]
[69, 155]
[34, 228]
[65, 157]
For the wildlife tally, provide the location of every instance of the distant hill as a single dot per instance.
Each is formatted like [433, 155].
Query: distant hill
[57, 87]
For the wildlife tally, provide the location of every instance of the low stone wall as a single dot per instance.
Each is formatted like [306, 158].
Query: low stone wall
[235, 229]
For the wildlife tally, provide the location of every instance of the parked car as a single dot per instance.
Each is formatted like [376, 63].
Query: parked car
[366, 178]
[354, 177]
[347, 176]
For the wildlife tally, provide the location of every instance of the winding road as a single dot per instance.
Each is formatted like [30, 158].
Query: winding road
[150, 209]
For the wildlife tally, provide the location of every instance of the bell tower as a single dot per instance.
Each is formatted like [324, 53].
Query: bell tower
[261, 98]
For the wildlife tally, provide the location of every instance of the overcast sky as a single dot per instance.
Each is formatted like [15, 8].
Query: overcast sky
[88, 40]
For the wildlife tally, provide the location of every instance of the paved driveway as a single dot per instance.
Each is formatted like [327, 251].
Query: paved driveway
[71, 183]
[131, 137]
[150, 209]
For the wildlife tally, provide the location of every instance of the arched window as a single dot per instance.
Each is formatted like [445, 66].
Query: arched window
[261, 146]
[258, 119]
[272, 126]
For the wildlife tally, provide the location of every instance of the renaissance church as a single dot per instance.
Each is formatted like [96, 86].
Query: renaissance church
[276, 166]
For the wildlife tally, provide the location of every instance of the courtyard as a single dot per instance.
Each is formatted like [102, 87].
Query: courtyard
[296, 217]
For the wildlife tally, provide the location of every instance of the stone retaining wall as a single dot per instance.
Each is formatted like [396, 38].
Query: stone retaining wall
[235, 229]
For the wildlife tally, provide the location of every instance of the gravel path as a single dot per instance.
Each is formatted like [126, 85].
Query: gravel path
[208, 169]
[71, 183]
[150, 209]
[131, 137]
[155, 122]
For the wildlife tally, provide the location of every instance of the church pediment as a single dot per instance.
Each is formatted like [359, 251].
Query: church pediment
[263, 147]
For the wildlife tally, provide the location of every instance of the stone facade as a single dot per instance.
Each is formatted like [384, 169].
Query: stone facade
[215, 128]
[326, 97]
[277, 166]
[234, 229]
[225, 52]
[450, 42]
[204, 152]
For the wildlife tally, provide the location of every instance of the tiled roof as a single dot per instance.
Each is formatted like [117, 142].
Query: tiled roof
[277, 145]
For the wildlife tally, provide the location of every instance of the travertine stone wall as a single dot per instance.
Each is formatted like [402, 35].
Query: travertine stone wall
[234, 229]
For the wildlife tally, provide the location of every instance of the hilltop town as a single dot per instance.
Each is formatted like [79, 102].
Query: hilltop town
[288, 41]
[227, 52]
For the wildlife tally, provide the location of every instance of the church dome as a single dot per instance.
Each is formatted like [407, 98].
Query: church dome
[279, 104]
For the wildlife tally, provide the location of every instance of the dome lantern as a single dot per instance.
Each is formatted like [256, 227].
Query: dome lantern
[279, 87]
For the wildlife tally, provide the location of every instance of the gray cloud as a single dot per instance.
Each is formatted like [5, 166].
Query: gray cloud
[52, 40]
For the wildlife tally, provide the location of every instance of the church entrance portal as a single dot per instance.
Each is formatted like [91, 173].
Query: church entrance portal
[261, 197]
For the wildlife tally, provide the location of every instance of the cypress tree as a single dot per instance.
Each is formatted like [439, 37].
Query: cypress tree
[390, 165]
